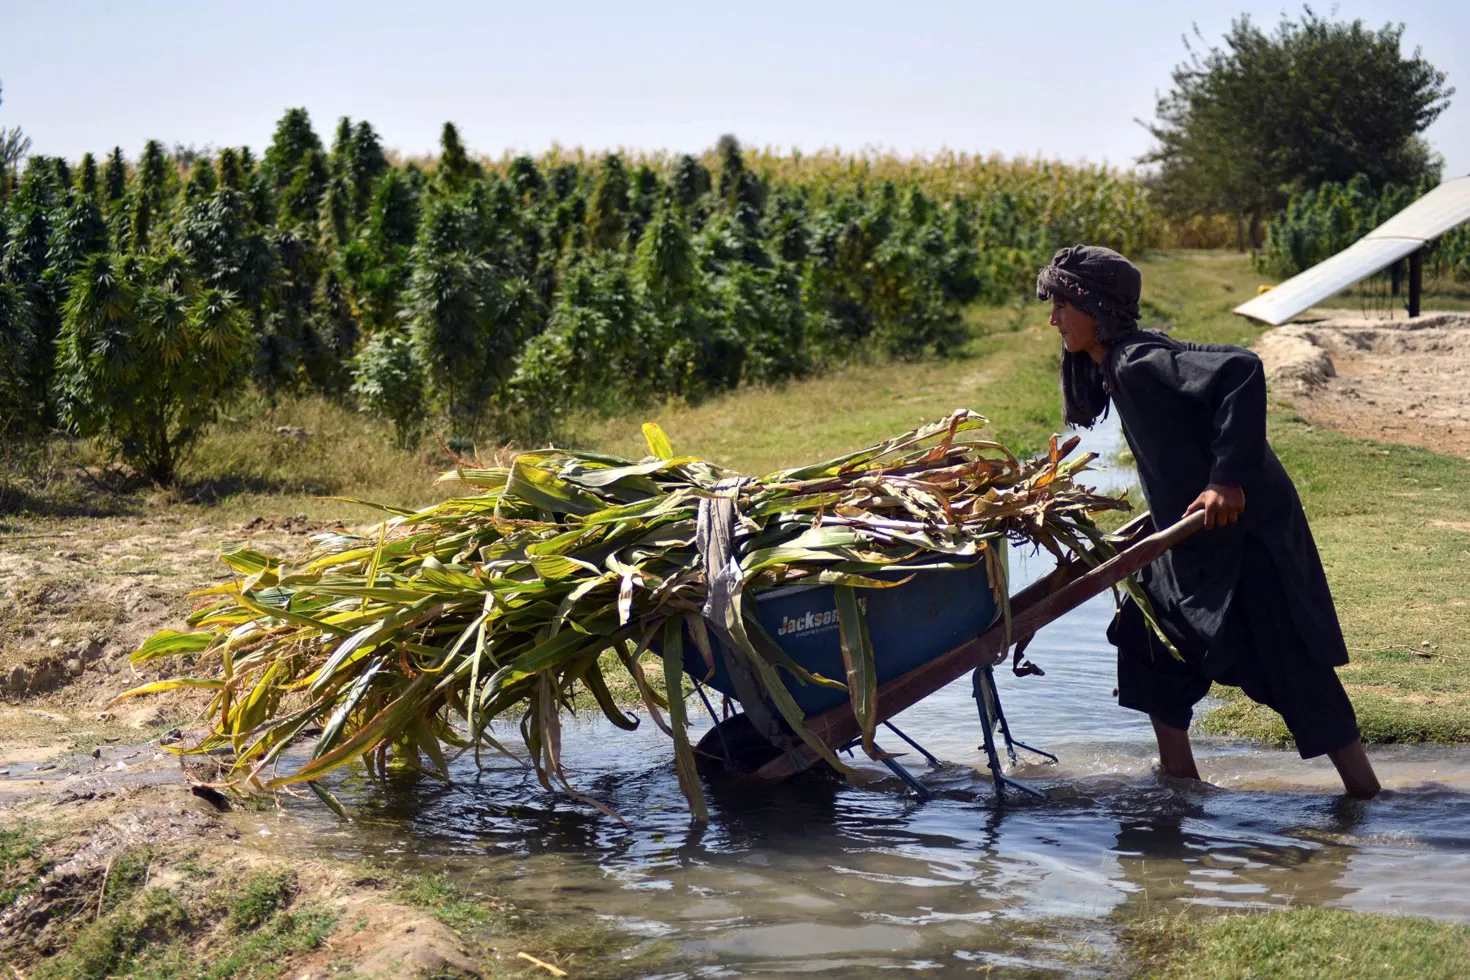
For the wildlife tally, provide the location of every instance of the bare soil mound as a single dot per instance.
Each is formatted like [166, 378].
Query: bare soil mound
[1397, 380]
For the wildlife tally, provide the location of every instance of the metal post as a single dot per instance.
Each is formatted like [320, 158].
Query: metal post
[1395, 278]
[1416, 281]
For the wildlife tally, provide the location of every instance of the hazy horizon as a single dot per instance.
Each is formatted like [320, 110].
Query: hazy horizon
[652, 77]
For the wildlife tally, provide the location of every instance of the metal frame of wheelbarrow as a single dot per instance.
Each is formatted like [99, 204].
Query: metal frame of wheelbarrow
[1064, 589]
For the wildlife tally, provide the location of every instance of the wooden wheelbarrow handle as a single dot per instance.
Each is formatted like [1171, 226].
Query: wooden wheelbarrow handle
[1032, 608]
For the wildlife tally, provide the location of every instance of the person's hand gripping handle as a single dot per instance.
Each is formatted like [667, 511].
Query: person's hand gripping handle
[1221, 503]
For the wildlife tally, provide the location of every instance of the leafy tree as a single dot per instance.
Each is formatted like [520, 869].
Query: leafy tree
[1249, 123]
[14, 145]
[388, 381]
[145, 361]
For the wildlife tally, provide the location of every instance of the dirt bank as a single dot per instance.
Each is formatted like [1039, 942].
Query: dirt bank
[107, 872]
[1398, 380]
[76, 597]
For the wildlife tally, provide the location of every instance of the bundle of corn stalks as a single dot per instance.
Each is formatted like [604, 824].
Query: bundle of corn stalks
[418, 636]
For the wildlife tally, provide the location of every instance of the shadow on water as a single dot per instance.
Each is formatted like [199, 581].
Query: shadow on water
[831, 878]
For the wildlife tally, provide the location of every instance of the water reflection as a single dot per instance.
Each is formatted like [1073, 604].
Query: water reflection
[824, 877]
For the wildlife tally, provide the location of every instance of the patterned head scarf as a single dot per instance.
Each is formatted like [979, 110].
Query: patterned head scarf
[1106, 286]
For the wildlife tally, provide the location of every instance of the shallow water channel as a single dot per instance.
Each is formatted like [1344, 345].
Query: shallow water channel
[824, 878]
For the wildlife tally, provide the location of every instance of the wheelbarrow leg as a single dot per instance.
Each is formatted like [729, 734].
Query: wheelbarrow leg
[919, 748]
[987, 702]
[898, 770]
[719, 733]
[1011, 743]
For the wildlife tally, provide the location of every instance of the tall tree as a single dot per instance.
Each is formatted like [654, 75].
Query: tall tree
[1252, 121]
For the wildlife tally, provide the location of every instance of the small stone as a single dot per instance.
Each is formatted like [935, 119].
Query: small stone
[1424, 643]
[74, 667]
[97, 752]
[55, 643]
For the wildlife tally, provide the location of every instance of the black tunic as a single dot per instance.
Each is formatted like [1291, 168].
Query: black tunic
[1195, 414]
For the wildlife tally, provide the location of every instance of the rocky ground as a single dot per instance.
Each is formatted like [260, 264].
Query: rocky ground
[1394, 380]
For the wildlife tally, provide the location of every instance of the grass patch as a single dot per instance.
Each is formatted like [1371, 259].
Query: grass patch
[260, 895]
[1297, 944]
[111, 946]
[22, 862]
[445, 900]
[125, 874]
[153, 933]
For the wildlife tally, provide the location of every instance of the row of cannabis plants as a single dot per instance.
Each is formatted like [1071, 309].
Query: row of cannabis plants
[138, 297]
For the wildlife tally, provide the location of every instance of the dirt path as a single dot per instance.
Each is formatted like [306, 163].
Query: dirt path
[1399, 380]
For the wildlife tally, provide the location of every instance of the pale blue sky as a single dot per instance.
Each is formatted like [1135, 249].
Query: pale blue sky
[1060, 79]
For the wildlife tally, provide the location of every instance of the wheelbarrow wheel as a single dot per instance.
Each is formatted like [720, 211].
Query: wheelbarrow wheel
[734, 747]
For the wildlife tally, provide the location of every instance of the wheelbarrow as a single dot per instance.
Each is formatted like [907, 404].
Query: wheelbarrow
[926, 633]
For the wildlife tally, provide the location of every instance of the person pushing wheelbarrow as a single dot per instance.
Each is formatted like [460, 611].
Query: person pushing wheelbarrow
[1245, 602]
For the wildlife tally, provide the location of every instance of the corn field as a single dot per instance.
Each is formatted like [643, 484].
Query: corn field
[488, 299]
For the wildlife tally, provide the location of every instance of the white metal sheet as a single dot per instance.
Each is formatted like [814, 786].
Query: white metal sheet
[1303, 291]
[1442, 209]
[1432, 215]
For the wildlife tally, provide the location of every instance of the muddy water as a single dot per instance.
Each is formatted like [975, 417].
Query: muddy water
[824, 878]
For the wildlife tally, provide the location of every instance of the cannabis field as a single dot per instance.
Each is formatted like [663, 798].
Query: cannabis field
[480, 300]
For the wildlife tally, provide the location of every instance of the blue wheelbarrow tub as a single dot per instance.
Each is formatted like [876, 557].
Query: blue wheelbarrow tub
[909, 624]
